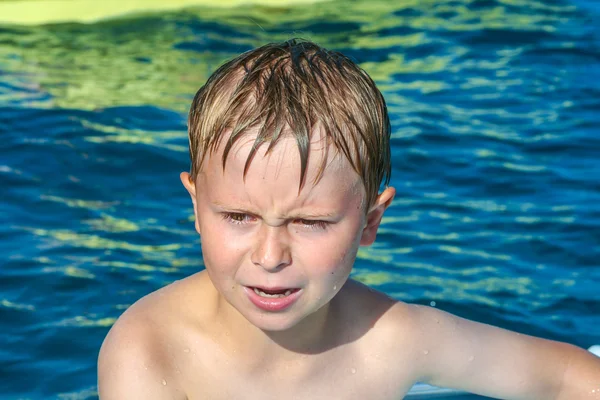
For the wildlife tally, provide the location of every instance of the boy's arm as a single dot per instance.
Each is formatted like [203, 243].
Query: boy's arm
[482, 359]
[582, 373]
[130, 367]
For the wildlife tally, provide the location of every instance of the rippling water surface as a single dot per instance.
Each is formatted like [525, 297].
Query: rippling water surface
[495, 107]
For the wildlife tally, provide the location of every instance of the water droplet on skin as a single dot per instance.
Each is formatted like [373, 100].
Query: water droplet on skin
[425, 352]
[164, 382]
[186, 350]
[353, 370]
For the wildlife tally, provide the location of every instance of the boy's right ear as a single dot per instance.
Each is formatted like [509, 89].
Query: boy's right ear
[190, 186]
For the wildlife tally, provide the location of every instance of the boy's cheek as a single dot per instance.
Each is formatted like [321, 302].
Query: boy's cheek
[218, 244]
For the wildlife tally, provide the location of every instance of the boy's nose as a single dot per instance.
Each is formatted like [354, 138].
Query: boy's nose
[272, 252]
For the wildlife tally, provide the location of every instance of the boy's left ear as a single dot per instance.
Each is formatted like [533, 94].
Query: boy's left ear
[375, 214]
[190, 186]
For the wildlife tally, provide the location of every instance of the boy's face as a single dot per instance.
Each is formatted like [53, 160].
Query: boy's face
[275, 254]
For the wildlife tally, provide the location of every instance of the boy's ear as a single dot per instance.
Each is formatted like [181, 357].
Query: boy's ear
[375, 214]
[190, 186]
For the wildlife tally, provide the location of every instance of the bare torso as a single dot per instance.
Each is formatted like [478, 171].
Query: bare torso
[176, 344]
[362, 357]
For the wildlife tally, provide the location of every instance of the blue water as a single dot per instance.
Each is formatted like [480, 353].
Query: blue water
[495, 108]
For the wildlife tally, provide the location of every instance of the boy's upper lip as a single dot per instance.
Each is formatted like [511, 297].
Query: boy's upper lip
[273, 288]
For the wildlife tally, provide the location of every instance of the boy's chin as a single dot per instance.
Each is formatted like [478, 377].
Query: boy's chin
[293, 322]
[274, 323]
[298, 317]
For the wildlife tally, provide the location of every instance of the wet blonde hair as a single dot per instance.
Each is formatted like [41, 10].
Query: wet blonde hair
[287, 89]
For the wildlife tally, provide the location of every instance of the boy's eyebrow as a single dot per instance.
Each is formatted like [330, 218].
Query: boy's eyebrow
[231, 208]
[315, 215]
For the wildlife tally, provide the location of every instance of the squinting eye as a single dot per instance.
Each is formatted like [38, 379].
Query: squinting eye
[236, 218]
[313, 224]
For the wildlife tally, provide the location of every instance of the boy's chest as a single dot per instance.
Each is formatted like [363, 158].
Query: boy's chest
[335, 378]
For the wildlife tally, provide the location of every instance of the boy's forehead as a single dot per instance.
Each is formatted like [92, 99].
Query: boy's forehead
[329, 176]
[285, 153]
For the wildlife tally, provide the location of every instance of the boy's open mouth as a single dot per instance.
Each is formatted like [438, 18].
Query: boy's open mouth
[274, 292]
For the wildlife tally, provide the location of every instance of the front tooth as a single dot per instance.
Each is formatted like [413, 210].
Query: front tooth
[263, 294]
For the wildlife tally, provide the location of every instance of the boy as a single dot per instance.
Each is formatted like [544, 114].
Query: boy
[289, 145]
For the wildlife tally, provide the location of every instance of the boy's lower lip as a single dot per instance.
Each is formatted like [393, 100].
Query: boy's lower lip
[272, 303]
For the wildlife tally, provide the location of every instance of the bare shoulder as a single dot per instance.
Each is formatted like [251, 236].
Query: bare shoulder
[136, 360]
[481, 358]
[377, 313]
[421, 343]
[389, 332]
[132, 364]
[383, 313]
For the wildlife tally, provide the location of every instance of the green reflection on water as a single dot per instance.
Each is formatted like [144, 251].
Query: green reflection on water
[84, 394]
[108, 223]
[474, 253]
[133, 60]
[79, 203]
[17, 306]
[81, 320]
[76, 239]
[448, 288]
[71, 271]
[135, 136]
